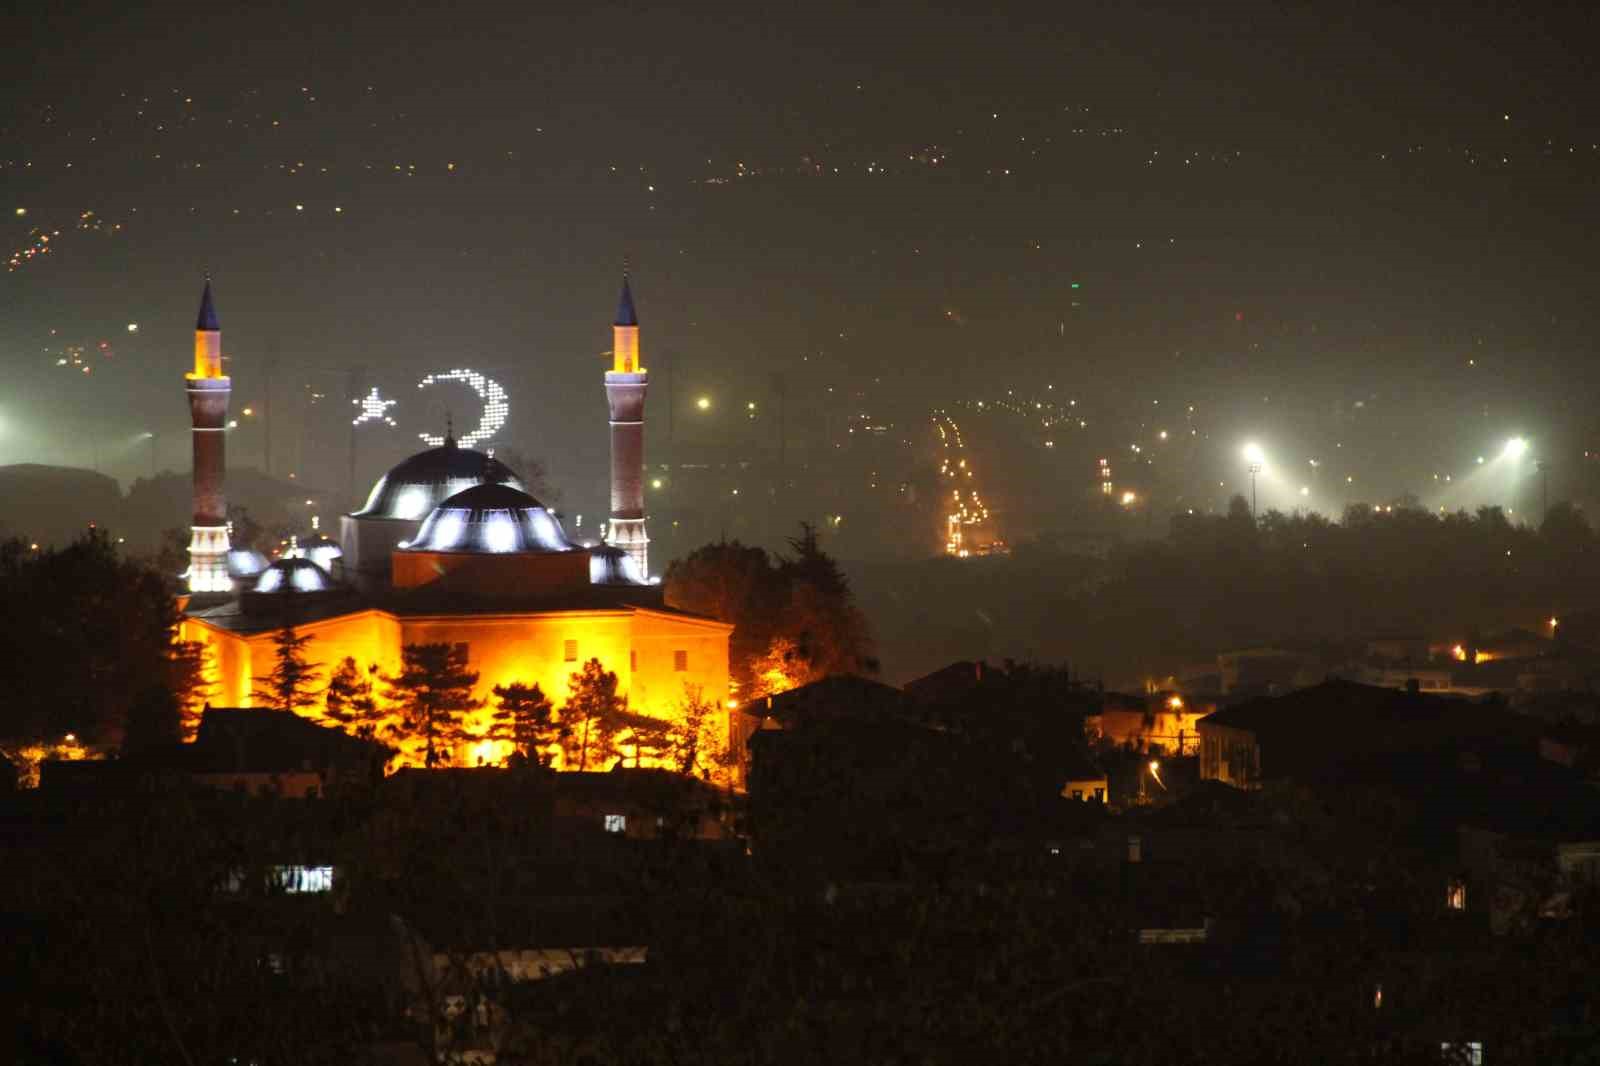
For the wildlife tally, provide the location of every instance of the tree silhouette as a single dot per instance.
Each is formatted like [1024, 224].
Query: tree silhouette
[829, 630]
[155, 719]
[86, 630]
[186, 679]
[593, 713]
[431, 692]
[350, 700]
[524, 716]
[794, 622]
[292, 683]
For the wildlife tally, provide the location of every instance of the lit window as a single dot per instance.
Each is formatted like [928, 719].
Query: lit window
[1455, 896]
[570, 652]
[1469, 1053]
[304, 878]
[680, 661]
[616, 823]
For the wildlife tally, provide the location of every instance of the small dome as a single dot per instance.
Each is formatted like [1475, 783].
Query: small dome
[610, 565]
[288, 576]
[490, 518]
[318, 549]
[245, 563]
[420, 483]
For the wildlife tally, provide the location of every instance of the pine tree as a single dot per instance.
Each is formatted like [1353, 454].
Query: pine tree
[292, 683]
[431, 692]
[155, 720]
[524, 716]
[350, 700]
[593, 713]
[830, 633]
[186, 678]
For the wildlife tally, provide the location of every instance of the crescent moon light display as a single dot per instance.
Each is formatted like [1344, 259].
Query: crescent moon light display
[496, 407]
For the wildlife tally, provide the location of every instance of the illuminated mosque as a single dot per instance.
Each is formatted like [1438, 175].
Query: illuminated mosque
[450, 548]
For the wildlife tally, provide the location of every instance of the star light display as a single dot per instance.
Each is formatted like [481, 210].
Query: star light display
[496, 408]
[374, 408]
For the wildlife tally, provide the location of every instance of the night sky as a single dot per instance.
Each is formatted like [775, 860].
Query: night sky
[1272, 212]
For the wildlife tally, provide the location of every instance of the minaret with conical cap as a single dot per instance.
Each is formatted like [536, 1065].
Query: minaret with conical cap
[208, 388]
[626, 383]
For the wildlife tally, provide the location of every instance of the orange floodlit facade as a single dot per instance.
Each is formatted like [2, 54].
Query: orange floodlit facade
[659, 657]
[449, 549]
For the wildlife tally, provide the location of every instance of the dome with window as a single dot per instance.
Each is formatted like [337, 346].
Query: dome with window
[490, 519]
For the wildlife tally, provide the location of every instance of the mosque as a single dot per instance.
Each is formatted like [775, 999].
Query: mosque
[451, 548]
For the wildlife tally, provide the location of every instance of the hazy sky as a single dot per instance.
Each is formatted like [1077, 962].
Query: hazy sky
[1335, 202]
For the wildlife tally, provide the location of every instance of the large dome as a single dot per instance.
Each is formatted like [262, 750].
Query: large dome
[496, 519]
[427, 479]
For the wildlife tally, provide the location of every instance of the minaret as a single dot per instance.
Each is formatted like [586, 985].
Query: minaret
[626, 383]
[208, 389]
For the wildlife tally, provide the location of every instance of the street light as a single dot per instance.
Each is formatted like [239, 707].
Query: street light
[1254, 459]
[1515, 448]
[704, 403]
[151, 437]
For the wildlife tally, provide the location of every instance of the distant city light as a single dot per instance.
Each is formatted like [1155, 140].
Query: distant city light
[704, 403]
[133, 327]
[1129, 498]
[655, 483]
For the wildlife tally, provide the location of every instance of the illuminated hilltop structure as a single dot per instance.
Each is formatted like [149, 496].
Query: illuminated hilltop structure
[450, 548]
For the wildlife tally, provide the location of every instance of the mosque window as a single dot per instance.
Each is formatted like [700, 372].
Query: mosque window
[680, 661]
[570, 651]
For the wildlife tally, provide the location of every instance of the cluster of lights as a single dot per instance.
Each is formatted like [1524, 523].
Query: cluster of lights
[496, 407]
[38, 245]
[967, 509]
[374, 408]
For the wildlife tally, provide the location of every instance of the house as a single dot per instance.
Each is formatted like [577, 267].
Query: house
[1318, 729]
[640, 804]
[947, 682]
[1265, 669]
[238, 749]
[841, 696]
[1085, 782]
[1162, 723]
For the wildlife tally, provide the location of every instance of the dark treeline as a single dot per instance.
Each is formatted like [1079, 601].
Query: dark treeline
[1220, 582]
[86, 635]
[148, 929]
